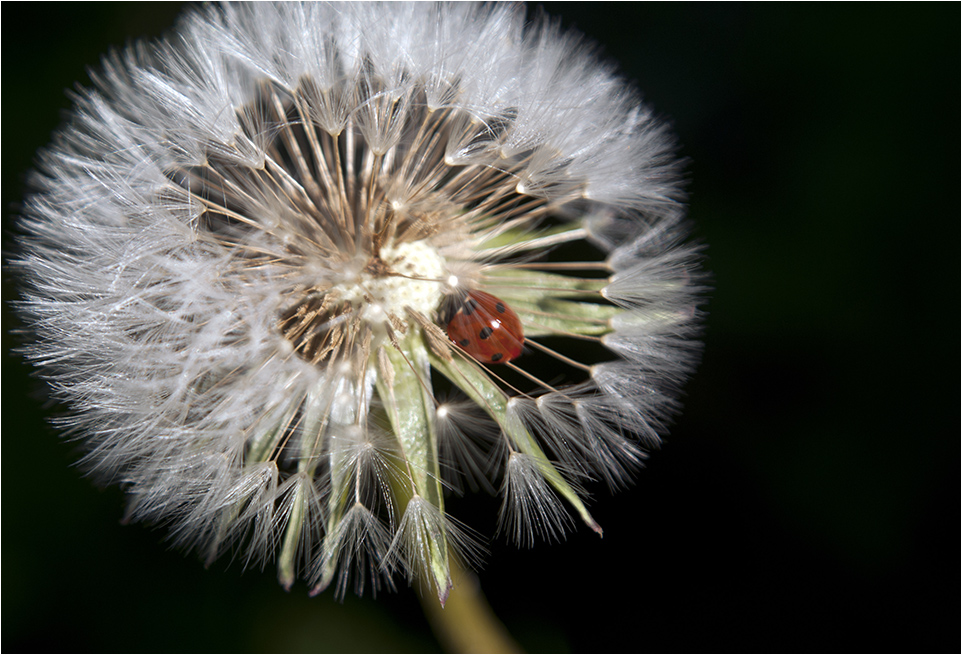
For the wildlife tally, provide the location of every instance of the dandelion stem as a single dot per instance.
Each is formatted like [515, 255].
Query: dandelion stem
[466, 623]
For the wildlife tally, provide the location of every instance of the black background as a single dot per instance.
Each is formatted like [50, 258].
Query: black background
[805, 500]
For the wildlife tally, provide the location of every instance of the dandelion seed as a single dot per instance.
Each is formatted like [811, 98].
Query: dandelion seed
[263, 249]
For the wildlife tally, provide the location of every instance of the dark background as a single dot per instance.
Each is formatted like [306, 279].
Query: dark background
[805, 500]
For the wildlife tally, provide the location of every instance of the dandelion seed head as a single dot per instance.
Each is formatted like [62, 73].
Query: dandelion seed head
[265, 248]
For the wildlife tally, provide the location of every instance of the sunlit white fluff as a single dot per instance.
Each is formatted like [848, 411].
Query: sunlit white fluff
[469, 446]
[242, 249]
[531, 509]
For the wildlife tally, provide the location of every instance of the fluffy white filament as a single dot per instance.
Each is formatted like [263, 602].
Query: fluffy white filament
[244, 250]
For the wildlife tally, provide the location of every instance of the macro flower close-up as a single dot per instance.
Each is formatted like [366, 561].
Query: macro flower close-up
[479, 327]
[301, 271]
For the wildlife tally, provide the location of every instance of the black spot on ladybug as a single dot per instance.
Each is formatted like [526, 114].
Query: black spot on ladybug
[500, 307]
[464, 343]
[496, 357]
[485, 332]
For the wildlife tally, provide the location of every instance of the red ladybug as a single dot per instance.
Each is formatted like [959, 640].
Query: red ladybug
[486, 328]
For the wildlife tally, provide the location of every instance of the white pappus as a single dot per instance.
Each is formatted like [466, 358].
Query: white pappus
[299, 270]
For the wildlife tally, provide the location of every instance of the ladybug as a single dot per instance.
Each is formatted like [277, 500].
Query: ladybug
[487, 329]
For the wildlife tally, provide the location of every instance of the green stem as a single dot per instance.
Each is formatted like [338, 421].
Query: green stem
[466, 623]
